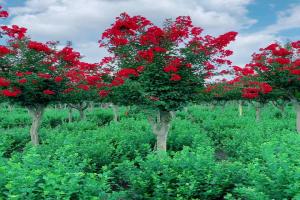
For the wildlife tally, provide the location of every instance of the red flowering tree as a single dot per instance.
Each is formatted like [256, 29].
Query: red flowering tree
[32, 74]
[253, 88]
[221, 92]
[83, 86]
[167, 65]
[279, 66]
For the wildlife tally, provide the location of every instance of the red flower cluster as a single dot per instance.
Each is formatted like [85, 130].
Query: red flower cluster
[22, 81]
[4, 50]
[58, 79]
[103, 93]
[3, 13]
[255, 89]
[48, 92]
[173, 65]
[277, 58]
[69, 55]
[14, 32]
[4, 82]
[83, 87]
[45, 76]
[147, 55]
[11, 93]
[38, 46]
[177, 48]
[175, 77]
[126, 72]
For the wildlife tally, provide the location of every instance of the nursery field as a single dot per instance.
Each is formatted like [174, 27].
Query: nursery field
[212, 153]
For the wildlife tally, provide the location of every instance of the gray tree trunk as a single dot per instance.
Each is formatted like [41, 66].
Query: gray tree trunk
[70, 115]
[173, 114]
[10, 108]
[257, 113]
[160, 128]
[91, 106]
[127, 111]
[81, 107]
[240, 109]
[116, 112]
[36, 114]
[81, 113]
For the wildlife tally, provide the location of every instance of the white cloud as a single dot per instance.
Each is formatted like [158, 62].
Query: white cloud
[287, 19]
[246, 44]
[83, 21]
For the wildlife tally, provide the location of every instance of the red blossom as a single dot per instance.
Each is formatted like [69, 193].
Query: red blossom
[3, 13]
[117, 81]
[4, 50]
[14, 32]
[48, 92]
[146, 55]
[83, 87]
[296, 44]
[58, 79]
[250, 93]
[27, 73]
[19, 74]
[295, 71]
[103, 93]
[45, 76]
[11, 93]
[126, 72]
[23, 80]
[175, 77]
[170, 68]
[68, 90]
[69, 55]
[4, 82]
[140, 69]
[38, 46]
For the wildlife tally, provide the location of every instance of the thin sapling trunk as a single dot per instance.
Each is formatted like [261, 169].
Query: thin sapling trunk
[36, 113]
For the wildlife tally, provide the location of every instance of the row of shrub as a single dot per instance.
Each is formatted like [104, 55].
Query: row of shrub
[212, 155]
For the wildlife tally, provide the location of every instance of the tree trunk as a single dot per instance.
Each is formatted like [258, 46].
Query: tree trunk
[116, 112]
[297, 107]
[91, 106]
[240, 109]
[10, 108]
[160, 128]
[127, 111]
[257, 113]
[81, 112]
[70, 114]
[185, 109]
[281, 108]
[36, 114]
[173, 114]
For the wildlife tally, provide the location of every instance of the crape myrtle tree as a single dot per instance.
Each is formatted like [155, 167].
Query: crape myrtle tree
[116, 89]
[219, 91]
[224, 91]
[82, 88]
[168, 65]
[253, 88]
[33, 74]
[279, 66]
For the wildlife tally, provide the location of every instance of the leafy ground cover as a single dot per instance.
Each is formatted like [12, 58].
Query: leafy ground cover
[212, 154]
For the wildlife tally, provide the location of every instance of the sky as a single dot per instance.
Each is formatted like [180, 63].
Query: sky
[258, 22]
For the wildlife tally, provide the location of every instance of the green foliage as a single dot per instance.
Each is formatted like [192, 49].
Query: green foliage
[211, 155]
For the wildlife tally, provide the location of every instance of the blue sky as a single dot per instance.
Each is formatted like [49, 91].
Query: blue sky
[258, 22]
